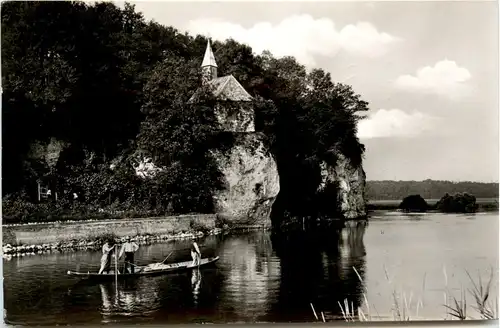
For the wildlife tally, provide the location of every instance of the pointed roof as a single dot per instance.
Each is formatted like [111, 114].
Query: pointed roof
[226, 88]
[209, 58]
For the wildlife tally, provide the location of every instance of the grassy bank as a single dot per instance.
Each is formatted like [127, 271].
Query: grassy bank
[405, 308]
[484, 204]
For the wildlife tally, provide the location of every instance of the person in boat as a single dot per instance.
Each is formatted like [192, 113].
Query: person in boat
[107, 250]
[129, 248]
[195, 253]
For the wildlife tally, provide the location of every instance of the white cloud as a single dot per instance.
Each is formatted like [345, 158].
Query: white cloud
[301, 36]
[445, 78]
[396, 123]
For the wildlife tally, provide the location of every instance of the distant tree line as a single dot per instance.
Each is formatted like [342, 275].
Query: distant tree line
[428, 189]
[109, 87]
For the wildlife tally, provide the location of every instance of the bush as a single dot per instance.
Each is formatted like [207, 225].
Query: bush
[19, 210]
[414, 203]
[196, 226]
[458, 203]
[149, 76]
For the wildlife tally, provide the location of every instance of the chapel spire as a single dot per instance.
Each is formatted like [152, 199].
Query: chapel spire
[209, 66]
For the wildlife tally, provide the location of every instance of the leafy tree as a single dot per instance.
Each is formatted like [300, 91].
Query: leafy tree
[313, 120]
[414, 203]
[179, 134]
[458, 203]
[110, 85]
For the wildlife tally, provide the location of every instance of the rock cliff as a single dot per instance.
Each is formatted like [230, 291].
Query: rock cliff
[350, 180]
[49, 151]
[252, 182]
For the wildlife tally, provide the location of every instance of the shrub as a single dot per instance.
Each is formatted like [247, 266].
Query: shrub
[197, 226]
[414, 203]
[458, 203]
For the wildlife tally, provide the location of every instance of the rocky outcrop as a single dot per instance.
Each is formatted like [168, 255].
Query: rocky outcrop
[350, 180]
[236, 116]
[252, 182]
[49, 152]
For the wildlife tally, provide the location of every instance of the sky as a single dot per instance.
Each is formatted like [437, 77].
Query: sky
[429, 71]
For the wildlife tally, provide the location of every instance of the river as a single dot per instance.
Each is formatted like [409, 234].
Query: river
[262, 277]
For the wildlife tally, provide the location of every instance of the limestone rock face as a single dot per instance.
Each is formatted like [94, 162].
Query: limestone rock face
[351, 181]
[236, 117]
[252, 182]
[49, 152]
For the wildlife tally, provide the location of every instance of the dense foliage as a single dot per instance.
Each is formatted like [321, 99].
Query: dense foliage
[90, 89]
[458, 203]
[428, 189]
[414, 203]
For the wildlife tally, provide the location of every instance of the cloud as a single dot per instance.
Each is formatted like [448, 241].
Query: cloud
[396, 123]
[445, 78]
[301, 36]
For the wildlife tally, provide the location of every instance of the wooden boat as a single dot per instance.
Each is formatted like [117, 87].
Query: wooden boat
[148, 270]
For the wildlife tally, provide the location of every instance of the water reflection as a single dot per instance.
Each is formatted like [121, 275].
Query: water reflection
[251, 277]
[259, 277]
[352, 248]
[415, 216]
[195, 285]
[317, 267]
[132, 298]
[107, 303]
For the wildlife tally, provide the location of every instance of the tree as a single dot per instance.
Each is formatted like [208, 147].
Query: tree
[313, 119]
[108, 84]
[179, 134]
[428, 189]
[71, 68]
[458, 203]
[414, 203]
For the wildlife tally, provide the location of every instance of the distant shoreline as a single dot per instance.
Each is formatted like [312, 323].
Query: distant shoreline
[429, 189]
[436, 180]
[484, 204]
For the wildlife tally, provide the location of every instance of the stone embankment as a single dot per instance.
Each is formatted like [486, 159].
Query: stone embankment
[26, 250]
[30, 239]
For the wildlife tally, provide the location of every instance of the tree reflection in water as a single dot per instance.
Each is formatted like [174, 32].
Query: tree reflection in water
[251, 272]
[317, 267]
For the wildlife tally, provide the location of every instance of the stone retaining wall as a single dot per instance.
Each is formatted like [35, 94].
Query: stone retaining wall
[51, 233]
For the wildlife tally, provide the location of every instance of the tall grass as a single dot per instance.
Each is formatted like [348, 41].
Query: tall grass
[402, 303]
[481, 297]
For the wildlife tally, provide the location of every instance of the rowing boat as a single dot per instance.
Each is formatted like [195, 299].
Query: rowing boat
[148, 270]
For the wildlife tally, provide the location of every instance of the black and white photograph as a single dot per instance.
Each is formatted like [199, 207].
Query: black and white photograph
[198, 162]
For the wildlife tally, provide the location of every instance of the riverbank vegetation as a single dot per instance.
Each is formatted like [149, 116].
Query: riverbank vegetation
[458, 203]
[93, 92]
[406, 308]
[428, 189]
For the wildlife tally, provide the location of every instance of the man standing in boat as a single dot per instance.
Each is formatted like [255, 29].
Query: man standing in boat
[129, 248]
[195, 253]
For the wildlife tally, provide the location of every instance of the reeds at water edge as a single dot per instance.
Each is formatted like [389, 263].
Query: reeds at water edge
[401, 307]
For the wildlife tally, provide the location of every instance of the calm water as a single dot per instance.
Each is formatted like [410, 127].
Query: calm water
[261, 277]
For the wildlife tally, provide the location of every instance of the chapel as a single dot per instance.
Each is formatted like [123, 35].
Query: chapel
[234, 109]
